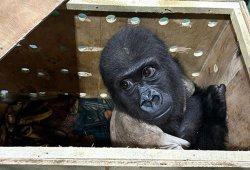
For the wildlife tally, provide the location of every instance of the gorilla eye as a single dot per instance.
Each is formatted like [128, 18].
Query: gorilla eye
[148, 71]
[125, 84]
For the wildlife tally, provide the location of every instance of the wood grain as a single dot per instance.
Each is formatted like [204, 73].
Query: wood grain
[122, 157]
[231, 72]
[18, 19]
[55, 38]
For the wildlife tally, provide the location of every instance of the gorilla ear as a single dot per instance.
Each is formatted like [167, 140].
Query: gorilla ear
[189, 86]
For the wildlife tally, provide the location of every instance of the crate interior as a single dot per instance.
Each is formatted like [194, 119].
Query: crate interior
[61, 57]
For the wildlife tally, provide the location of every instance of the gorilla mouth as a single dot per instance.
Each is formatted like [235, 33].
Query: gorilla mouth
[162, 114]
[151, 105]
[154, 102]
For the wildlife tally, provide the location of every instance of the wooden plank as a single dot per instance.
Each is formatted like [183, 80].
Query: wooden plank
[88, 34]
[231, 72]
[243, 36]
[222, 56]
[238, 100]
[245, 13]
[122, 157]
[18, 18]
[56, 49]
[196, 37]
[202, 36]
[159, 6]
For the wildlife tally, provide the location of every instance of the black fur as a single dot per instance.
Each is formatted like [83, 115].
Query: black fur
[159, 98]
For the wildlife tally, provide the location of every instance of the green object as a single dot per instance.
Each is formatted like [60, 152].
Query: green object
[62, 47]
[186, 21]
[164, 19]
[110, 17]
[135, 20]
[248, 6]
[82, 16]
[55, 13]
[33, 46]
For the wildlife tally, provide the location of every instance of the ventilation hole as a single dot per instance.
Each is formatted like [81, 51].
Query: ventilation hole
[81, 48]
[135, 21]
[110, 18]
[82, 16]
[103, 95]
[3, 93]
[96, 7]
[163, 21]
[40, 74]
[212, 23]
[33, 95]
[62, 47]
[82, 94]
[25, 70]
[42, 93]
[33, 46]
[186, 23]
[84, 74]
[195, 74]
[216, 68]
[172, 48]
[64, 71]
[198, 53]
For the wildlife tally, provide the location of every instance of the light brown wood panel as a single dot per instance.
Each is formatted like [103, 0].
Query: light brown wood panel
[89, 34]
[238, 105]
[231, 72]
[223, 56]
[199, 36]
[18, 18]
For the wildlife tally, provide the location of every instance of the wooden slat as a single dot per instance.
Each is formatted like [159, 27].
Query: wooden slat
[222, 55]
[18, 18]
[159, 6]
[88, 34]
[199, 36]
[238, 105]
[231, 72]
[243, 36]
[122, 157]
[55, 39]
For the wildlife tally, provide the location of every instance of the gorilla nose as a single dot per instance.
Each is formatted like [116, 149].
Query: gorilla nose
[150, 100]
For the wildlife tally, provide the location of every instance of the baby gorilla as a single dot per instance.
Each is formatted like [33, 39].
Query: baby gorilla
[145, 82]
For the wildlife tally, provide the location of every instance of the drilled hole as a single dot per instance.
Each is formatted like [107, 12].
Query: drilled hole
[173, 48]
[196, 74]
[163, 21]
[33, 46]
[82, 16]
[64, 71]
[25, 70]
[110, 18]
[198, 53]
[212, 23]
[103, 95]
[3, 93]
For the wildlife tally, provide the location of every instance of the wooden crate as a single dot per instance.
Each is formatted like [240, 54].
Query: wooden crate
[59, 42]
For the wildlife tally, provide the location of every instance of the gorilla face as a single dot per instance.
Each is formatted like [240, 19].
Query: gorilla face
[142, 78]
[143, 89]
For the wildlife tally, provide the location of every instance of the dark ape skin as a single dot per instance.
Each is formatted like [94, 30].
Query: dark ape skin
[145, 82]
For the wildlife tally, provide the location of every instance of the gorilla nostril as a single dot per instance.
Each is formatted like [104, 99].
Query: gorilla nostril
[156, 99]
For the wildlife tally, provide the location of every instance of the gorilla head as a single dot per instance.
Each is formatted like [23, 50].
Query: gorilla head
[142, 78]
